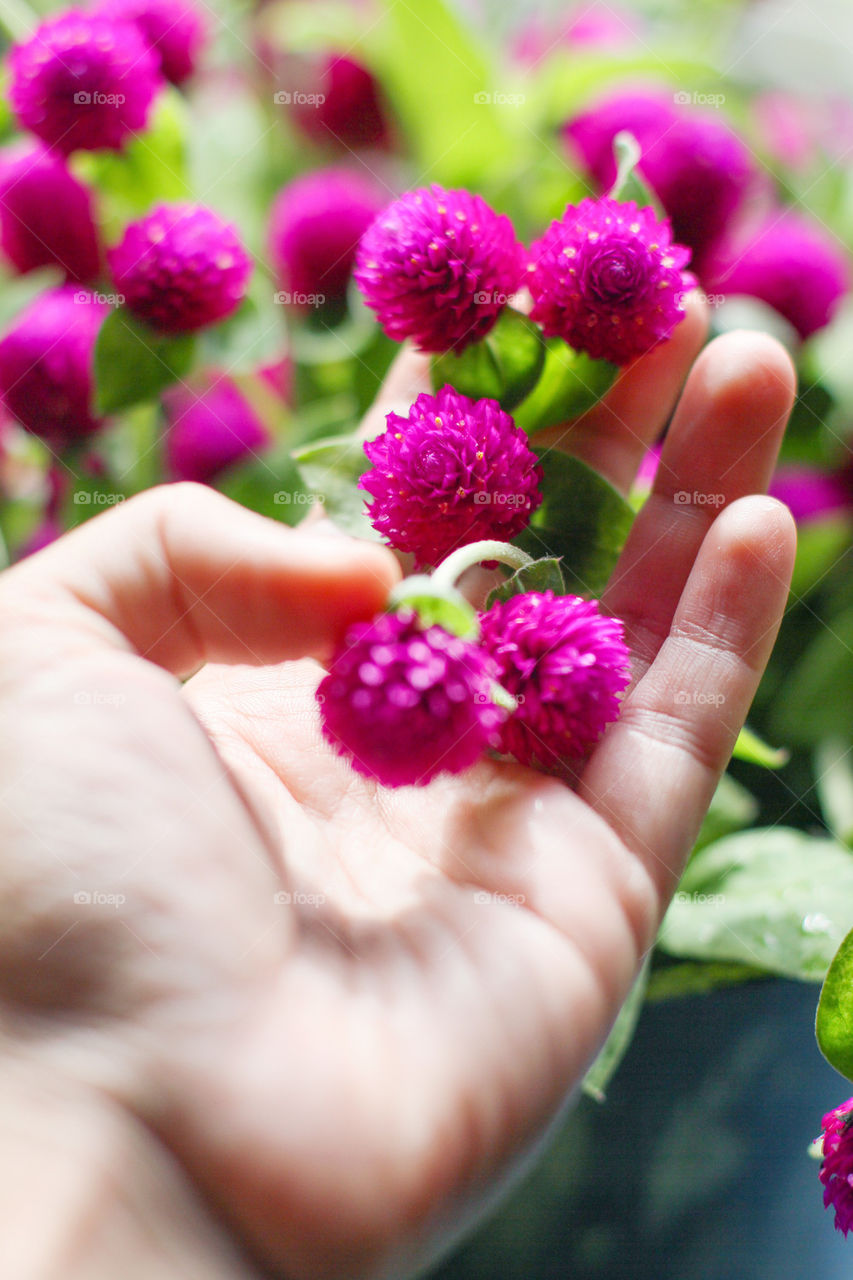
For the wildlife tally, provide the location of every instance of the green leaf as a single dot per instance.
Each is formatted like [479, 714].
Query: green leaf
[570, 383]
[271, 485]
[675, 981]
[629, 185]
[149, 169]
[331, 469]
[753, 750]
[775, 899]
[816, 699]
[820, 545]
[542, 575]
[583, 521]
[505, 365]
[834, 783]
[618, 1042]
[834, 1023]
[133, 363]
[438, 83]
[732, 807]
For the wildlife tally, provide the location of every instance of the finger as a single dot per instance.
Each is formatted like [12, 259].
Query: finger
[722, 445]
[613, 436]
[655, 771]
[183, 576]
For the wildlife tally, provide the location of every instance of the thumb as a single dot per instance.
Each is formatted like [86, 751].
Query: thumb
[182, 575]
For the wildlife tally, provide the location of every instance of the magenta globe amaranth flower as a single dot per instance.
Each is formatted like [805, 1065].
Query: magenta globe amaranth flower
[316, 223]
[405, 703]
[696, 165]
[46, 365]
[210, 429]
[836, 1170]
[789, 262]
[566, 663]
[810, 493]
[452, 471]
[608, 280]
[46, 215]
[438, 267]
[83, 81]
[180, 268]
[174, 30]
[342, 105]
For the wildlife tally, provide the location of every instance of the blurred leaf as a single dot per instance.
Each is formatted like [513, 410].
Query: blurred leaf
[583, 521]
[570, 383]
[675, 981]
[88, 494]
[834, 1023]
[504, 366]
[253, 335]
[753, 750]
[820, 544]
[773, 898]
[440, 89]
[542, 575]
[331, 469]
[816, 699]
[618, 1042]
[732, 807]
[834, 784]
[270, 484]
[134, 363]
[629, 185]
[17, 292]
[151, 168]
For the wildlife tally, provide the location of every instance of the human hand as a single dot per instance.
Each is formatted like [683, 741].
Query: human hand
[336, 1084]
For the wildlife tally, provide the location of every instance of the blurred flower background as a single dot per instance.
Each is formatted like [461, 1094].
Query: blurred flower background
[209, 170]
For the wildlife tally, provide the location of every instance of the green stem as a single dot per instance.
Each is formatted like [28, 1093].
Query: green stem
[474, 553]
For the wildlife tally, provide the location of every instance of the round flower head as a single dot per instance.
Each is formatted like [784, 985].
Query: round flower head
[809, 493]
[566, 663]
[46, 365]
[83, 82]
[180, 268]
[174, 30]
[792, 264]
[699, 169]
[34, 184]
[315, 226]
[438, 267]
[348, 110]
[836, 1170]
[405, 703]
[210, 429]
[608, 280]
[452, 471]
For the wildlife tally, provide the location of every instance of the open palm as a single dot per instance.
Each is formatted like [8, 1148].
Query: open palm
[330, 1019]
